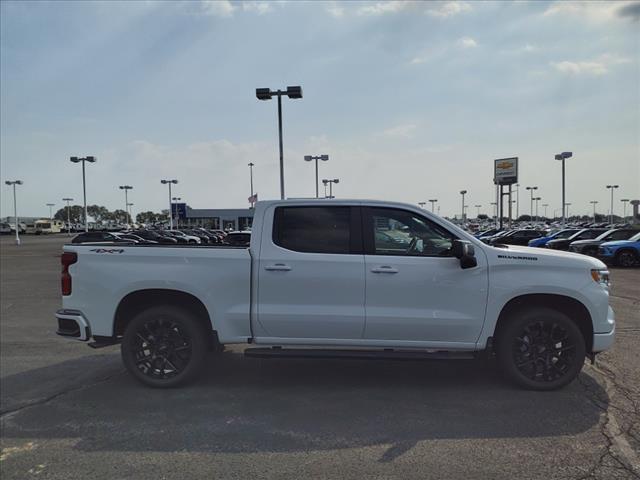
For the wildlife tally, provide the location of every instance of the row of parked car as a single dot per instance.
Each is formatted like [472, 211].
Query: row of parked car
[190, 236]
[614, 246]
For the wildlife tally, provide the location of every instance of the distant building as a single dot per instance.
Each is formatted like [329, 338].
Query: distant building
[216, 218]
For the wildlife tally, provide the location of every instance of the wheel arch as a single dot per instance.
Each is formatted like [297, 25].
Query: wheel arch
[571, 307]
[135, 302]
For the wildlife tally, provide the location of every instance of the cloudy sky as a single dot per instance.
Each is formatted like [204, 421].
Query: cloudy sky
[411, 100]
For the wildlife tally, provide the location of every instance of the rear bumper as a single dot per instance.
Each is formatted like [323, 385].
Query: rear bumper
[73, 324]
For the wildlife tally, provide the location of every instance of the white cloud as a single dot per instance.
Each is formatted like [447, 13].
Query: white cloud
[448, 9]
[467, 42]
[259, 8]
[598, 66]
[334, 9]
[404, 131]
[382, 8]
[593, 11]
[217, 8]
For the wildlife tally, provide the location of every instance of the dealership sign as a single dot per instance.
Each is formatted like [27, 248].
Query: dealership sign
[505, 171]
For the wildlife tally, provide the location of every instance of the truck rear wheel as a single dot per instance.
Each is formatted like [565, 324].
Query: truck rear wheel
[164, 346]
[541, 349]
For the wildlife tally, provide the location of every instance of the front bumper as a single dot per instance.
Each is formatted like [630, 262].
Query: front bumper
[73, 324]
[604, 341]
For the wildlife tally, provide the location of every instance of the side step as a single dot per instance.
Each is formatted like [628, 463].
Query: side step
[386, 354]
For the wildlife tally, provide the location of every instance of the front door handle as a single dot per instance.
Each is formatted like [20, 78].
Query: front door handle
[384, 269]
[278, 267]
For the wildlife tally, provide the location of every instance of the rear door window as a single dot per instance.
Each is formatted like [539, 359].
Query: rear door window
[324, 229]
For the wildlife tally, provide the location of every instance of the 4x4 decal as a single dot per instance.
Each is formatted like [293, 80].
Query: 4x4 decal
[107, 250]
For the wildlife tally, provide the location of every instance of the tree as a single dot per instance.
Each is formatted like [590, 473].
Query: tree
[151, 217]
[76, 214]
[524, 218]
[98, 212]
[119, 216]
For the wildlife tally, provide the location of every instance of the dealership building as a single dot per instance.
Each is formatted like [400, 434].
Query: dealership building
[227, 219]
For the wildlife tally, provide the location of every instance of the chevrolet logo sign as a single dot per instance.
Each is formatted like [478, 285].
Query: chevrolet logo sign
[504, 165]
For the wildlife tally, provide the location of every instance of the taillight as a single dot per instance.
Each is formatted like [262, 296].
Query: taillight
[67, 258]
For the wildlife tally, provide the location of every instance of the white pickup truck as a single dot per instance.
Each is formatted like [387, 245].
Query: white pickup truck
[340, 278]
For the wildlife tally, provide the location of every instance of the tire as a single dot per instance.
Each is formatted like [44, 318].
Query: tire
[540, 349]
[625, 259]
[164, 347]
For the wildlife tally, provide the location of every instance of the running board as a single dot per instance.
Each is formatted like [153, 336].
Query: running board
[386, 354]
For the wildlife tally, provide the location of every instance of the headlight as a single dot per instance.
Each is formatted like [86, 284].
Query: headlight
[601, 277]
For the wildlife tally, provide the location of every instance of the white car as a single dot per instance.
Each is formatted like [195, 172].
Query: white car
[346, 278]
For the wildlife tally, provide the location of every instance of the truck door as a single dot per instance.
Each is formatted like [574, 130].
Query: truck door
[311, 274]
[416, 291]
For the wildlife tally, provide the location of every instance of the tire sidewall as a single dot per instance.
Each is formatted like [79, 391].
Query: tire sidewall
[188, 322]
[620, 255]
[514, 327]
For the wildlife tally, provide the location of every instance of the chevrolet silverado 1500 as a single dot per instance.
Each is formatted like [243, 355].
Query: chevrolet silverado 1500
[340, 278]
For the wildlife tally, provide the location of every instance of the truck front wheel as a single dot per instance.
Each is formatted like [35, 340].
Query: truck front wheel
[540, 349]
[164, 346]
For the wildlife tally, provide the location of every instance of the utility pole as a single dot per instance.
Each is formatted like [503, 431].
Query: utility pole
[68, 214]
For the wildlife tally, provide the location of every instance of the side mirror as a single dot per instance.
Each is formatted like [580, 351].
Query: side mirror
[465, 252]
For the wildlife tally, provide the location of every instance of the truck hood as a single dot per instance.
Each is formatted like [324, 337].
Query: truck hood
[557, 257]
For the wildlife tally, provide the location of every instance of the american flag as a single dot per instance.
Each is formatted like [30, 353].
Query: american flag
[253, 198]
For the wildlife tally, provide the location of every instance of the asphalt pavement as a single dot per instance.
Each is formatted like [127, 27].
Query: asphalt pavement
[70, 412]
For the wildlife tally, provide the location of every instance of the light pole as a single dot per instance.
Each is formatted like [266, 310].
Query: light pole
[531, 189]
[126, 189]
[174, 211]
[517, 185]
[267, 94]
[324, 158]
[422, 204]
[170, 182]
[251, 165]
[495, 213]
[89, 159]
[545, 205]
[567, 205]
[433, 203]
[563, 156]
[478, 207]
[462, 192]
[611, 187]
[51, 205]
[537, 199]
[129, 212]
[330, 183]
[624, 203]
[68, 214]
[15, 207]
[594, 202]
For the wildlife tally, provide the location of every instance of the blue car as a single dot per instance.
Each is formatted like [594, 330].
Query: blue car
[621, 253]
[542, 241]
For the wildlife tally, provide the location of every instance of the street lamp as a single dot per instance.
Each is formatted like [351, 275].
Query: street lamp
[537, 199]
[478, 207]
[330, 183]
[129, 211]
[611, 187]
[563, 156]
[624, 203]
[433, 202]
[170, 182]
[15, 207]
[545, 205]
[174, 211]
[68, 214]
[517, 200]
[495, 213]
[567, 205]
[267, 94]
[594, 202]
[531, 189]
[324, 158]
[89, 159]
[126, 189]
[50, 205]
[462, 192]
[422, 204]
[251, 165]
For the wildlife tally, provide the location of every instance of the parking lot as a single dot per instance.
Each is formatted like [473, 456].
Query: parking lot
[68, 411]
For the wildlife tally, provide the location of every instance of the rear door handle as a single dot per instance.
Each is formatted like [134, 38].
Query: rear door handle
[278, 267]
[384, 269]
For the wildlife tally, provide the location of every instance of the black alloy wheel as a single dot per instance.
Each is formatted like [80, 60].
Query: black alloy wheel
[164, 346]
[541, 349]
